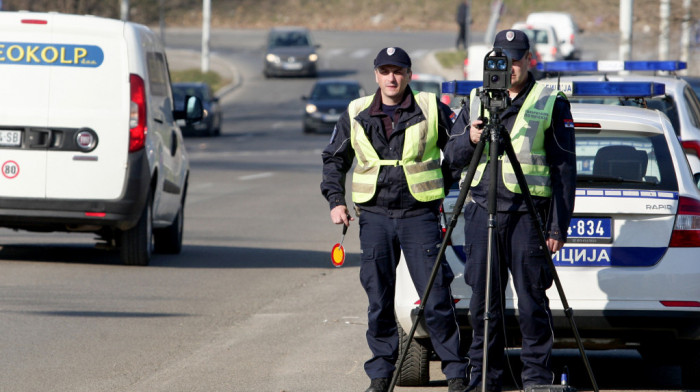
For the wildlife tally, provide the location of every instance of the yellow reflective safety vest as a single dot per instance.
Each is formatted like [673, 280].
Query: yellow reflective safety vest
[420, 158]
[527, 138]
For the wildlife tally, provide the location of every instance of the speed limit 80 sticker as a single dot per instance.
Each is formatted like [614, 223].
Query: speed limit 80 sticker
[10, 169]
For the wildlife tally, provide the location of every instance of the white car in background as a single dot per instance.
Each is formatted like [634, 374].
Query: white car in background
[566, 28]
[429, 83]
[630, 267]
[544, 38]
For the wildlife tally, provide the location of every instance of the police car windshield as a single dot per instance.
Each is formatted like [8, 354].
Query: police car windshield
[636, 161]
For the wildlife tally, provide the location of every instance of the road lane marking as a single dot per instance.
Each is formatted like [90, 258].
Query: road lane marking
[360, 53]
[256, 176]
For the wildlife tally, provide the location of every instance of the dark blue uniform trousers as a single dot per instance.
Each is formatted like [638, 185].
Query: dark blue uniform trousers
[519, 250]
[382, 238]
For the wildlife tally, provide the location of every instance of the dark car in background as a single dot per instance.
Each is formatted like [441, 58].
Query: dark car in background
[327, 101]
[211, 123]
[290, 52]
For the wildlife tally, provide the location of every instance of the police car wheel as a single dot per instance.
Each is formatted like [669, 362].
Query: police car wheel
[169, 239]
[415, 369]
[137, 242]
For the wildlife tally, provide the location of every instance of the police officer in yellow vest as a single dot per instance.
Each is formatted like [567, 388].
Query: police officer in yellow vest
[542, 132]
[397, 187]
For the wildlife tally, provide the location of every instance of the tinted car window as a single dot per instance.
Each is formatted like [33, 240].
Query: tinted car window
[629, 161]
[157, 74]
[288, 39]
[199, 92]
[335, 91]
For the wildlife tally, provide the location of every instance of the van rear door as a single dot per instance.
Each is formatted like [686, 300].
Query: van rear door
[73, 83]
[24, 112]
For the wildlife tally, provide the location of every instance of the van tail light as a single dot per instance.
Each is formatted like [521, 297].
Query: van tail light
[465, 73]
[137, 114]
[554, 51]
[691, 146]
[686, 230]
[571, 39]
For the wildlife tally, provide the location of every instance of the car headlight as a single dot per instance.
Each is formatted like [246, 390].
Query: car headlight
[311, 108]
[313, 57]
[272, 58]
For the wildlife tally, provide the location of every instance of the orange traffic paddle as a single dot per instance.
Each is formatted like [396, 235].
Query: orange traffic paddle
[338, 252]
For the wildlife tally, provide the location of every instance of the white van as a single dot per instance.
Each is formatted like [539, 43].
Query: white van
[566, 28]
[88, 134]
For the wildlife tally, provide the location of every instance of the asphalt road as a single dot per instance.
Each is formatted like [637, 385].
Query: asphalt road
[252, 303]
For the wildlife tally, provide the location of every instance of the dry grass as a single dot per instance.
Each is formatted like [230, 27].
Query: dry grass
[413, 15]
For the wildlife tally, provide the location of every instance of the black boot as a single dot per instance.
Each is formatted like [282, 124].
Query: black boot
[378, 385]
[457, 385]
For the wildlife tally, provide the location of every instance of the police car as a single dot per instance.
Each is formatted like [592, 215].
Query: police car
[88, 134]
[630, 267]
[678, 102]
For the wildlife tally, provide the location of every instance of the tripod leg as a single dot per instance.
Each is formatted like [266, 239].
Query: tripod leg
[461, 198]
[543, 242]
[492, 233]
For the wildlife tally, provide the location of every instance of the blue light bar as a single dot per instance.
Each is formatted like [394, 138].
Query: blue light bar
[610, 66]
[618, 89]
[460, 87]
[655, 65]
[568, 66]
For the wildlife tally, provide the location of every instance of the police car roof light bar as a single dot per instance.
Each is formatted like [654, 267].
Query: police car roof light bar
[610, 66]
[460, 87]
[618, 89]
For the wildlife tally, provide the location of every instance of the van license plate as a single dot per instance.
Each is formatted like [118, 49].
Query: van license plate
[590, 231]
[10, 138]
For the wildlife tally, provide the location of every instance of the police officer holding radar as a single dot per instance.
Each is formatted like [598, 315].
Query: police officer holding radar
[397, 187]
[541, 129]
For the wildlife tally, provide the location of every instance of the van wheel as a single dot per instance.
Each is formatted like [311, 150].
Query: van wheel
[169, 239]
[137, 242]
[415, 369]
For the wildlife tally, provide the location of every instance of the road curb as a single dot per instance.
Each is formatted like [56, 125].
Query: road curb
[182, 59]
[430, 62]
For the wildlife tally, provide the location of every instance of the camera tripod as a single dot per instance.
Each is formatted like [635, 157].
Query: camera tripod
[496, 101]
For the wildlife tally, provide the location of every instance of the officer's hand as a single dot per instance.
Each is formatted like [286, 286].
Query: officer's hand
[339, 214]
[476, 130]
[554, 245]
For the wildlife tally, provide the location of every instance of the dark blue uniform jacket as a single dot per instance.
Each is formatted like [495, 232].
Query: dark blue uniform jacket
[560, 149]
[392, 197]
